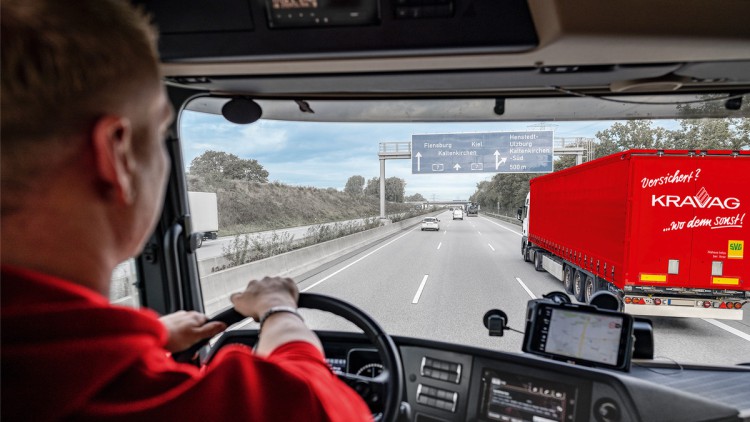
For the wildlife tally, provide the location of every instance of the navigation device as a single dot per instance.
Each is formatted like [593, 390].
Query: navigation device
[579, 334]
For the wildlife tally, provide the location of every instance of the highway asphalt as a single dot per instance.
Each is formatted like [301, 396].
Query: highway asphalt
[438, 285]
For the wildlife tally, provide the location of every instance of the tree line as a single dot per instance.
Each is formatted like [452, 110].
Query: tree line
[215, 167]
[395, 189]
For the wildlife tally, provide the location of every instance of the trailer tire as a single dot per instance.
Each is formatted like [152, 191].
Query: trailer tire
[568, 276]
[589, 288]
[579, 285]
[538, 261]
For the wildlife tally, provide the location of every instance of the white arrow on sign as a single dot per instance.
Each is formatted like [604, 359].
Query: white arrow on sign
[498, 160]
[419, 161]
[457, 167]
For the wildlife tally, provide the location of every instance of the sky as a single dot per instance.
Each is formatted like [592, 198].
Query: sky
[325, 155]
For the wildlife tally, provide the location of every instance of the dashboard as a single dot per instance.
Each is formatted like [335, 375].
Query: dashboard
[449, 382]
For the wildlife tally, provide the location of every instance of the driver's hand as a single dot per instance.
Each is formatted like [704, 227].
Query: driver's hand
[188, 328]
[261, 295]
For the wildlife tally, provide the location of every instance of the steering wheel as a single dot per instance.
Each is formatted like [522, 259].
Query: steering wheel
[386, 387]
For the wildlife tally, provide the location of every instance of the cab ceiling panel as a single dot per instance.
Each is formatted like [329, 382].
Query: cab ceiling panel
[226, 30]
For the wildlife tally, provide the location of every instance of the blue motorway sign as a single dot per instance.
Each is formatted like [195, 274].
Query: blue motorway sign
[489, 152]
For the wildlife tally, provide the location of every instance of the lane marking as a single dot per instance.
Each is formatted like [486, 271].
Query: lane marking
[713, 322]
[440, 244]
[419, 290]
[352, 263]
[525, 288]
[480, 233]
[727, 328]
[493, 249]
[445, 232]
[502, 227]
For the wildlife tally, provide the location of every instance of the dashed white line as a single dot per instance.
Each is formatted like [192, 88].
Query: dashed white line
[439, 245]
[493, 249]
[352, 263]
[525, 288]
[419, 291]
[727, 328]
[480, 233]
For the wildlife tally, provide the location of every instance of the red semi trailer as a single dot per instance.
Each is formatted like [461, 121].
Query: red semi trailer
[666, 230]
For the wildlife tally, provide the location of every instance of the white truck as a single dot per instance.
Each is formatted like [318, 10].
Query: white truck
[204, 212]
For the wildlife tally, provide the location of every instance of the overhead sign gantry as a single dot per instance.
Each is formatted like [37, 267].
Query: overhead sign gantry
[483, 152]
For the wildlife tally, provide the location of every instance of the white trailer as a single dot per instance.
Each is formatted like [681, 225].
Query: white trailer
[204, 213]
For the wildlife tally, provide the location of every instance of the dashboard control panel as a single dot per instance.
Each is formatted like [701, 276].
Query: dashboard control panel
[447, 382]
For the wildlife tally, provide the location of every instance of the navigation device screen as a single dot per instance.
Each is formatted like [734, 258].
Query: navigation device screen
[582, 335]
[577, 334]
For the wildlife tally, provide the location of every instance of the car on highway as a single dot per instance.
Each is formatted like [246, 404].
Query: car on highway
[458, 214]
[430, 223]
[353, 108]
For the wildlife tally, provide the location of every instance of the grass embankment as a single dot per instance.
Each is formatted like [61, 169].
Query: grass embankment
[249, 207]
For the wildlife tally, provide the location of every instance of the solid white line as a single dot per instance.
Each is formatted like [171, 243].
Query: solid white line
[350, 264]
[525, 288]
[440, 244]
[493, 249]
[727, 328]
[502, 227]
[419, 290]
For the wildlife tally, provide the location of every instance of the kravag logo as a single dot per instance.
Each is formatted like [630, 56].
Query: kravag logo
[701, 200]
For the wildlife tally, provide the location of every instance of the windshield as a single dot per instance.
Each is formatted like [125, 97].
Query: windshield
[283, 188]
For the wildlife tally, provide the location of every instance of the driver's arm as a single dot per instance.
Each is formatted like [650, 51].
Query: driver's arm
[278, 328]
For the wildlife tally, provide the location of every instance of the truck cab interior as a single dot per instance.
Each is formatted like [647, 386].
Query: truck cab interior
[469, 61]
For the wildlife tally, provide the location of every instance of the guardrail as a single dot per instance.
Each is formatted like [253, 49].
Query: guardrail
[512, 220]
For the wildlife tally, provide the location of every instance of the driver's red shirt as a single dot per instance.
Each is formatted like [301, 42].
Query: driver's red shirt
[66, 353]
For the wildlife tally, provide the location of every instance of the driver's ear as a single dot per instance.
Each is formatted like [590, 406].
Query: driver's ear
[112, 139]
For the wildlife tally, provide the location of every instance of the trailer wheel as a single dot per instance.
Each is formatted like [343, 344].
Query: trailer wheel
[568, 278]
[578, 285]
[538, 261]
[589, 289]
